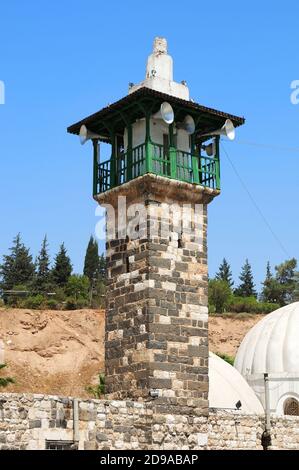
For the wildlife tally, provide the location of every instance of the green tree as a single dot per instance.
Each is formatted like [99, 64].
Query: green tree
[4, 381]
[246, 287]
[219, 294]
[285, 273]
[17, 267]
[102, 267]
[91, 262]
[271, 291]
[42, 277]
[77, 286]
[224, 273]
[62, 267]
[296, 287]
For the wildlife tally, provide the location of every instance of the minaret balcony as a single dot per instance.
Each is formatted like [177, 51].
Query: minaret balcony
[154, 158]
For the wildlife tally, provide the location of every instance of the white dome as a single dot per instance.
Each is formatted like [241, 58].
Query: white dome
[272, 344]
[227, 387]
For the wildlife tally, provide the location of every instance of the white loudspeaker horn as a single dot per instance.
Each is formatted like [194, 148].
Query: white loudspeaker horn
[86, 135]
[188, 124]
[228, 129]
[166, 113]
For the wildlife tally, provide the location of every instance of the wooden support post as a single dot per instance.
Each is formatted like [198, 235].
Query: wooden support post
[96, 162]
[195, 161]
[148, 145]
[217, 162]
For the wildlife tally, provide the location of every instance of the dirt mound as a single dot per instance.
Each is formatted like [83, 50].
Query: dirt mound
[61, 353]
[226, 332]
[52, 352]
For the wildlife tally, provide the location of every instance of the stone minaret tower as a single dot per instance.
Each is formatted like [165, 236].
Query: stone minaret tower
[163, 172]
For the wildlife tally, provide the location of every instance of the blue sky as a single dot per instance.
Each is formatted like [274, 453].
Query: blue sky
[61, 61]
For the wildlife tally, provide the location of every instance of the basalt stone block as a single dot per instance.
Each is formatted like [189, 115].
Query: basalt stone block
[152, 281]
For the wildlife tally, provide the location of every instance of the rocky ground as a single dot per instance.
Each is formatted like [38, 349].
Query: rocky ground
[62, 352]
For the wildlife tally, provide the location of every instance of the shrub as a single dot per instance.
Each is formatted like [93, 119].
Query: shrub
[52, 304]
[226, 358]
[70, 303]
[34, 301]
[97, 390]
[77, 286]
[250, 305]
[219, 294]
[4, 381]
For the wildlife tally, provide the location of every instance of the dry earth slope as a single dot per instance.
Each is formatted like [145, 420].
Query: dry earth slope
[61, 353]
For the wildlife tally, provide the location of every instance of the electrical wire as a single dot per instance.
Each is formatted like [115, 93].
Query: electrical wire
[269, 146]
[258, 209]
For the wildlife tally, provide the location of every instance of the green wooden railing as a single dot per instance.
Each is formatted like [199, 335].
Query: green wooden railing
[154, 158]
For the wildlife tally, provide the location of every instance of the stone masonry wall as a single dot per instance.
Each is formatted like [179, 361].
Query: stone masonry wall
[27, 421]
[232, 430]
[157, 315]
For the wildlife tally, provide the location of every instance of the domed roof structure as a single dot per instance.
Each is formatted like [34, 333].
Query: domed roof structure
[227, 387]
[272, 346]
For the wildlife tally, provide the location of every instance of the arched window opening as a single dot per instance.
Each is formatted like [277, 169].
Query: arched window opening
[291, 407]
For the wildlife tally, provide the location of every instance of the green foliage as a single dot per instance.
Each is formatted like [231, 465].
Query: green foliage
[246, 287]
[17, 267]
[102, 267]
[77, 286]
[73, 303]
[34, 301]
[42, 276]
[52, 304]
[91, 262]
[62, 267]
[5, 381]
[16, 299]
[226, 358]
[219, 294]
[296, 287]
[97, 390]
[280, 288]
[95, 270]
[224, 273]
[250, 305]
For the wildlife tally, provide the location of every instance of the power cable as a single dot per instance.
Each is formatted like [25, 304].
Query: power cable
[255, 204]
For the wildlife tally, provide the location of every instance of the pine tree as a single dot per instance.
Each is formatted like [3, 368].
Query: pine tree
[224, 273]
[271, 291]
[62, 267]
[91, 263]
[102, 267]
[42, 278]
[268, 272]
[296, 287]
[18, 267]
[285, 276]
[246, 287]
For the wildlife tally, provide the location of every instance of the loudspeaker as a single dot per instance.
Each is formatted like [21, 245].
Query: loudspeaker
[210, 149]
[228, 129]
[166, 113]
[86, 135]
[188, 124]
